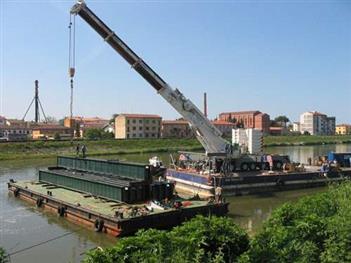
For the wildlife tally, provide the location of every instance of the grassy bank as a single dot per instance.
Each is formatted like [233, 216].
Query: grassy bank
[49, 149]
[305, 140]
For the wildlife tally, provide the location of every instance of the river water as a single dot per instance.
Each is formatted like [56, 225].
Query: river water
[31, 235]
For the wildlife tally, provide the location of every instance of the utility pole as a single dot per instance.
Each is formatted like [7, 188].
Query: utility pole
[36, 101]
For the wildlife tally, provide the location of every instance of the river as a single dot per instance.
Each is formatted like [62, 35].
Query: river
[31, 235]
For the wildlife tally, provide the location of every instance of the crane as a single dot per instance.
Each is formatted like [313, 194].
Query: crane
[208, 135]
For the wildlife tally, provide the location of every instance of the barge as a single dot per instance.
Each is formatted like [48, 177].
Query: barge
[252, 182]
[110, 196]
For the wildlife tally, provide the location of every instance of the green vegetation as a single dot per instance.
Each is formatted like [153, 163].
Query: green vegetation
[201, 239]
[3, 257]
[97, 134]
[305, 140]
[47, 149]
[314, 229]
[99, 145]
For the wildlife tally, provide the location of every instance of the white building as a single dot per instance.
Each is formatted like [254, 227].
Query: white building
[316, 123]
[296, 127]
[249, 140]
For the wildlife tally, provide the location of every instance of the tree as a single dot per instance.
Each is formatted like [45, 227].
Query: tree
[114, 116]
[314, 229]
[51, 119]
[3, 257]
[93, 134]
[77, 130]
[202, 239]
[57, 136]
[282, 119]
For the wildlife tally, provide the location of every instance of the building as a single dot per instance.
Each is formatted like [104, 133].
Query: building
[249, 140]
[51, 131]
[343, 129]
[248, 119]
[9, 133]
[81, 124]
[176, 129]
[278, 131]
[316, 123]
[225, 127]
[137, 126]
[14, 130]
[296, 126]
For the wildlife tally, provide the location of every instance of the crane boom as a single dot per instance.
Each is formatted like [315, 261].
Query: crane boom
[208, 135]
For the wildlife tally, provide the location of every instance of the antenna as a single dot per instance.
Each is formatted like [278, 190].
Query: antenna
[37, 104]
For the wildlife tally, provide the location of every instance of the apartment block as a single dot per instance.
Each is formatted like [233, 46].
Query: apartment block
[176, 129]
[316, 123]
[248, 119]
[137, 126]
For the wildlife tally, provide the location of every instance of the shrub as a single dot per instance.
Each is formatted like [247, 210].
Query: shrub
[201, 239]
[315, 229]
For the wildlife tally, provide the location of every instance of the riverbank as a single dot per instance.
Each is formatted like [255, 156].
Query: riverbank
[301, 140]
[50, 149]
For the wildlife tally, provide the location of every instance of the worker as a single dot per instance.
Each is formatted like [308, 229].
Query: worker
[218, 194]
[77, 149]
[270, 161]
[84, 150]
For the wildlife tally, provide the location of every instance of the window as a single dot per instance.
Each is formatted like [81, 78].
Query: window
[140, 128]
[128, 136]
[134, 121]
[147, 128]
[153, 121]
[134, 135]
[147, 135]
[140, 121]
[127, 121]
[140, 135]
[146, 121]
[127, 129]
[134, 128]
[153, 128]
[153, 135]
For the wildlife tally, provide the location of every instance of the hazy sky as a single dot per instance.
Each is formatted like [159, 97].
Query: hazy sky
[279, 57]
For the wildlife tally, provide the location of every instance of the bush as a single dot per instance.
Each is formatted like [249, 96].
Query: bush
[315, 229]
[3, 257]
[201, 239]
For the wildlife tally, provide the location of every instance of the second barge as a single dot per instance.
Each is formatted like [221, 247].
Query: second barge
[110, 196]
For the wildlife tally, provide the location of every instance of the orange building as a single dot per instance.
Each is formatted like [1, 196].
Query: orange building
[248, 119]
[176, 129]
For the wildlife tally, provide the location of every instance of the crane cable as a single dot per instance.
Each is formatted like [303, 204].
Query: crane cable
[72, 57]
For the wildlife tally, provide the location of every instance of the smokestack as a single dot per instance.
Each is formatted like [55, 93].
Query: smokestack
[205, 104]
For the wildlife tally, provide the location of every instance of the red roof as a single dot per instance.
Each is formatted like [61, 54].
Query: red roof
[241, 112]
[129, 115]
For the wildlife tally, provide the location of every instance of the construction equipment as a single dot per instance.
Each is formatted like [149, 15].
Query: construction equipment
[217, 149]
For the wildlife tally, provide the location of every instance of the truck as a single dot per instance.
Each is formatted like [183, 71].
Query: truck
[220, 155]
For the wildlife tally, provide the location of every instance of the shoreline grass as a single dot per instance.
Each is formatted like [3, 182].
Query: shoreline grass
[50, 149]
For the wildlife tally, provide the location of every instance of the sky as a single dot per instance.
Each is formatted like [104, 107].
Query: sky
[279, 57]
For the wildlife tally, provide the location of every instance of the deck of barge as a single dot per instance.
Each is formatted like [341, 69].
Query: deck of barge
[86, 209]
